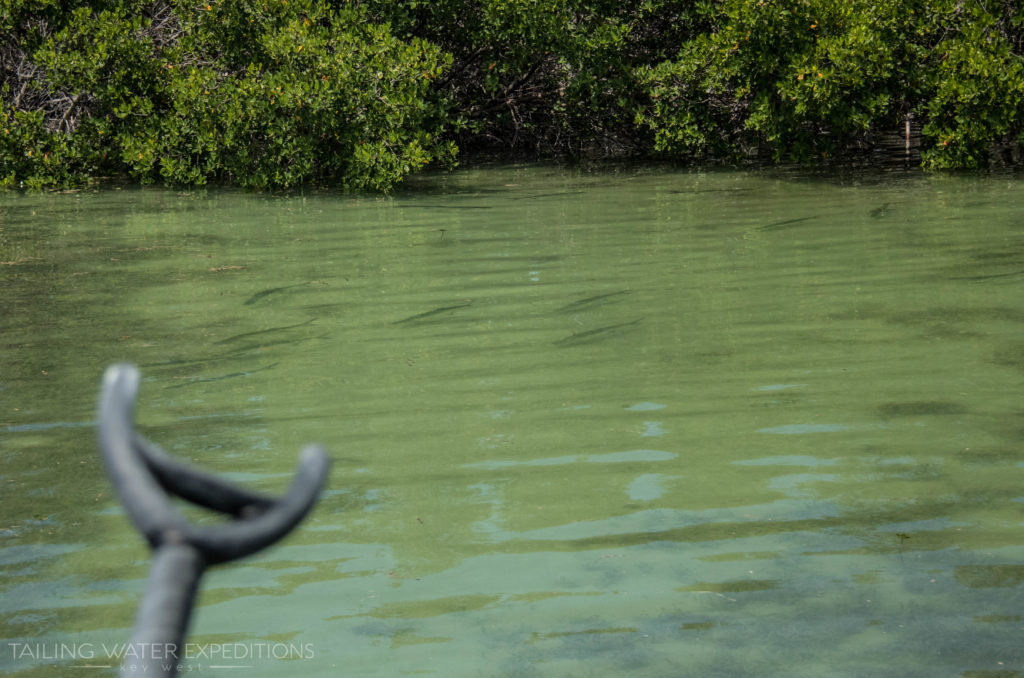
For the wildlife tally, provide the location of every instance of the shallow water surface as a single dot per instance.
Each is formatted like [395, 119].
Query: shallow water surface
[641, 423]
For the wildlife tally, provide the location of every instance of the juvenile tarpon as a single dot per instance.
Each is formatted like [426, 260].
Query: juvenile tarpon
[784, 223]
[427, 314]
[266, 293]
[222, 377]
[579, 304]
[595, 334]
[246, 335]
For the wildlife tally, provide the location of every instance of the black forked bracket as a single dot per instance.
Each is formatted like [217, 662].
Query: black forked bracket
[144, 476]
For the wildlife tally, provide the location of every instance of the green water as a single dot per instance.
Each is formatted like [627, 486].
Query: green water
[641, 423]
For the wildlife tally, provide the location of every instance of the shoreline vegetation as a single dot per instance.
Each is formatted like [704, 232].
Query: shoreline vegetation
[275, 94]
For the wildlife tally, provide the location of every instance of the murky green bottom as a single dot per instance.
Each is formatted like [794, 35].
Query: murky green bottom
[644, 424]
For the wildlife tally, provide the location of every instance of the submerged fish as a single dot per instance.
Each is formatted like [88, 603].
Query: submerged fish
[709, 190]
[246, 335]
[595, 334]
[432, 312]
[243, 352]
[246, 349]
[583, 303]
[451, 207]
[992, 276]
[785, 222]
[545, 195]
[879, 212]
[207, 380]
[266, 293]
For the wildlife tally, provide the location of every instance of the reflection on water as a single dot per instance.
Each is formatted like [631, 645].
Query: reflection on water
[653, 424]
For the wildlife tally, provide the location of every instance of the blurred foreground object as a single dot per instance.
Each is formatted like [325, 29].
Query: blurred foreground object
[144, 477]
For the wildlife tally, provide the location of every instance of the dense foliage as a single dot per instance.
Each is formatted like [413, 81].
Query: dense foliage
[815, 76]
[260, 93]
[277, 93]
